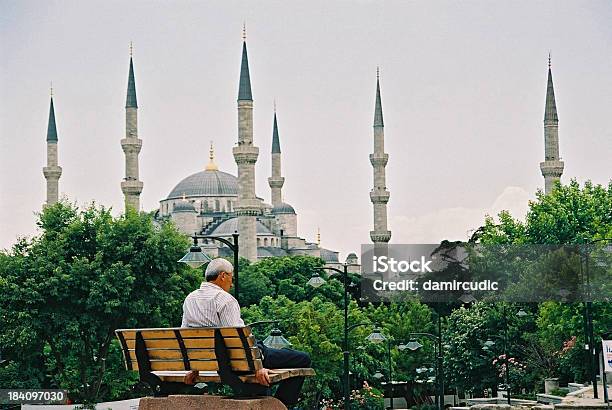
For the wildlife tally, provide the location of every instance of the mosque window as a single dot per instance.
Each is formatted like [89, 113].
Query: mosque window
[217, 205]
[229, 206]
[265, 241]
[258, 242]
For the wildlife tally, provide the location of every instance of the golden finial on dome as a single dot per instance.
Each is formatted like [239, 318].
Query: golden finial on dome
[211, 165]
[318, 236]
[51, 89]
[131, 49]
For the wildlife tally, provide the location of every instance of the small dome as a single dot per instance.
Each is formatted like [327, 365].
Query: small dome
[231, 225]
[283, 208]
[329, 256]
[206, 183]
[183, 206]
[351, 258]
[270, 252]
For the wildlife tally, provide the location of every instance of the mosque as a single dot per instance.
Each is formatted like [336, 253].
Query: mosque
[216, 203]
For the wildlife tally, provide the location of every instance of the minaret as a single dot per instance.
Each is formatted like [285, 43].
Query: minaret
[379, 194]
[131, 144]
[245, 154]
[52, 171]
[552, 167]
[276, 181]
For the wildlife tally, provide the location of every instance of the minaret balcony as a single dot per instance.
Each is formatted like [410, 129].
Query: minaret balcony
[380, 236]
[131, 187]
[552, 168]
[248, 207]
[53, 172]
[245, 154]
[379, 159]
[276, 182]
[131, 145]
[379, 196]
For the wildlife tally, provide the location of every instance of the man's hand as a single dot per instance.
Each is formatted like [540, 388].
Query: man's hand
[263, 377]
[191, 377]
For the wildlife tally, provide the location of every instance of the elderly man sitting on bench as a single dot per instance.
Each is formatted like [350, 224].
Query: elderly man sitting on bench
[212, 306]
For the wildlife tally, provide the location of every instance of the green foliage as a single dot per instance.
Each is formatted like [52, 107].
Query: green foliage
[367, 398]
[569, 215]
[286, 276]
[63, 294]
[469, 366]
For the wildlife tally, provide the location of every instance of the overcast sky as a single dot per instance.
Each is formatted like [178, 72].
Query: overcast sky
[463, 90]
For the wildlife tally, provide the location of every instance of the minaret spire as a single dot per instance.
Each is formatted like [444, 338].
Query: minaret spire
[247, 207]
[378, 114]
[244, 87]
[52, 171]
[379, 194]
[130, 101]
[131, 144]
[552, 166]
[276, 181]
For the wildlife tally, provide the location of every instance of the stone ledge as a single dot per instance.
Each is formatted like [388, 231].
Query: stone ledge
[188, 402]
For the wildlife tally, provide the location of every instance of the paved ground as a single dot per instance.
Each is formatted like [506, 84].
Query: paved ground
[587, 397]
[131, 404]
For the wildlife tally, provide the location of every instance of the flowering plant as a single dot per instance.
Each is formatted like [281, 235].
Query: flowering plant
[365, 398]
[517, 369]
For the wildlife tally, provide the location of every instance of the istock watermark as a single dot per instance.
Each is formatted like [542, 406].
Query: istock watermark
[460, 272]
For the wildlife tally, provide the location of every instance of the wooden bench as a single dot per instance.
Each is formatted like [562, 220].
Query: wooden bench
[225, 355]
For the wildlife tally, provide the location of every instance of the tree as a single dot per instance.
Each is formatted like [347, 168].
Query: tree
[569, 215]
[286, 276]
[63, 294]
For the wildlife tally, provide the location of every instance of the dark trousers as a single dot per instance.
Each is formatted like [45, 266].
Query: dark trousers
[289, 389]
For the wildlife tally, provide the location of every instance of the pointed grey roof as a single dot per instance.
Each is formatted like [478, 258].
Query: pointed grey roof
[51, 128]
[275, 139]
[130, 101]
[378, 114]
[550, 112]
[244, 90]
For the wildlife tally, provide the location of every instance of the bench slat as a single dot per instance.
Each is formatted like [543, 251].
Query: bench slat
[185, 333]
[276, 375]
[205, 365]
[189, 343]
[195, 354]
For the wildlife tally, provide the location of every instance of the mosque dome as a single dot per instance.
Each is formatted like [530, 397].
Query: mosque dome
[329, 256]
[352, 258]
[283, 208]
[184, 206]
[231, 225]
[210, 182]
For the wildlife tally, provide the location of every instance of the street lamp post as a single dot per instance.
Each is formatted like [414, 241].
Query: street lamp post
[414, 345]
[588, 316]
[389, 362]
[196, 258]
[315, 281]
[489, 343]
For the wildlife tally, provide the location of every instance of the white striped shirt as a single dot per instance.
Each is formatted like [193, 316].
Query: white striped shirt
[211, 306]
